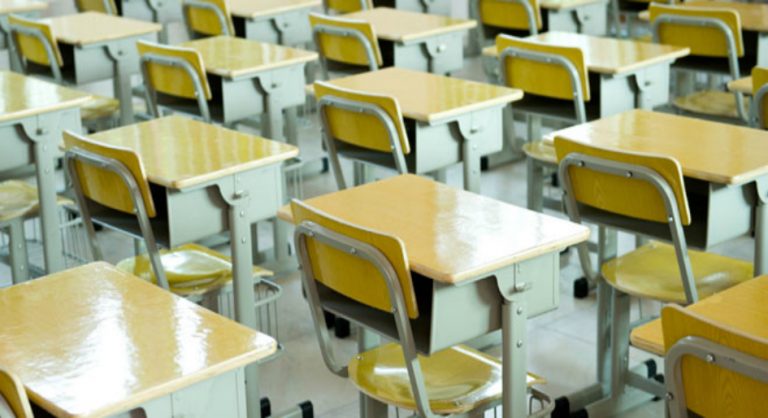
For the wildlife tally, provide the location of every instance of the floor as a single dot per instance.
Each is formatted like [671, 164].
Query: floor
[562, 342]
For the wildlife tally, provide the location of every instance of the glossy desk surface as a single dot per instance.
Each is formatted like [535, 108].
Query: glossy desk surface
[742, 85]
[566, 4]
[450, 235]
[741, 308]
[179, 152]
[231, 57]
[609, 55]
[710, 151]
[94, 341]
[428, 97]
[265, 8]
[22, 96]
[404, 26]
[20, 6]
[92, 28]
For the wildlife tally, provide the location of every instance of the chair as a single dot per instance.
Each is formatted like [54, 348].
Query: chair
[346, 6]
[640, 194]
[517, 17]
[759, 91]
[369, 270]
[113, 178]
[12, 391]
[39, 54]
[366, 128]
[714, 37]
[102, 6]
[345, 43]
[712, 370]
[207, 18]
[556, 86]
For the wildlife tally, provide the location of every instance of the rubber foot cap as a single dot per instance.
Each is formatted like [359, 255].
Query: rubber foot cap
[342, 328]
[266, 407]
[581, 288]
[306, 410]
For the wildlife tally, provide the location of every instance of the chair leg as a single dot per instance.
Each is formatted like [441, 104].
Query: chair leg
[18, 251]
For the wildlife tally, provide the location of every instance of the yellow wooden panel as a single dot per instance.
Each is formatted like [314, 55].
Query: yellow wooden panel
[361, 129]
[106, 187]
[174, 80]
[346, 49]
[622, 195]
[97, 6]
[352, 276]
[540, 78]
[206, 22]
[703, 41]
[709, 390]
[347, 6]
[30, 47]
[12, 391]
[505, 14]
[760, 79]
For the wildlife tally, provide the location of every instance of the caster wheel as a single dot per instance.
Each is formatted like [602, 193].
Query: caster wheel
[330, 319]
[562, 408]
[581, 288]
[341, 328]
[306, 410]
[266, 408]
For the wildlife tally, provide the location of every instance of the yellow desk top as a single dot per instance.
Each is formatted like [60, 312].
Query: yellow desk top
[92, 27]
[231, 57]
[566, 4]
[450, 235]
[93, 341]
[22, 96]
[179, 152]
[710, 151]
[21, 6]
[609, 55]
[742, 85]
[428, 97]
[266, 8]
[404, 26]
[742, 308]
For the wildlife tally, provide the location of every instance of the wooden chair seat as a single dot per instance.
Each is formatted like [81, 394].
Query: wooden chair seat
[457, 380]
[541, 152]
[19, 199]
[191, 269]
[98, 108]
[649, 337]
[651, 271]
[710, 103]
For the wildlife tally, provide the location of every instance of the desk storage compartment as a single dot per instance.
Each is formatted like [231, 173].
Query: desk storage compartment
[594, 19]
[413, 55]
[294, 26]
[17, 148]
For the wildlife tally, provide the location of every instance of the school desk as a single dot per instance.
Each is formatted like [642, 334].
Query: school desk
[22, 7]
[418, 41]
[256, 78]
[449, 120]
[94, 341]
[99, 47]
[33, 114]
[485, 265]
[283, 22]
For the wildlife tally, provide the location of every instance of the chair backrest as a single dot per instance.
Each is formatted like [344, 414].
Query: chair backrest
[102, 6]
[104, 186]
[35, 42]
[14, 394]
[208, 17]
[711, 369]
[619, 193]
[346, 6]
[346, 41]
[714, 32]
[760, 95]
[511, 14]
[174, 70]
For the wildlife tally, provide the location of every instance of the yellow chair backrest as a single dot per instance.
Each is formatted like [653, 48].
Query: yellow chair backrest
[506, 14]
[760, 79]
[173, 80]
[13, 392]
[105, 187]
[702, 40]
[711, 391]
[30, 47]
[101, 6]
[345, 49]
[544, 79]
[352, 276]
[360, 129]
[622, 195]
[346, 6]
[205, 22]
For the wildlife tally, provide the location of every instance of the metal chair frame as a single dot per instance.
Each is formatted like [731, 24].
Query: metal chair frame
[151, 93]
[756, 110]
[358, 107]
[37, 34]
[74, 155]
[317, 30]
[730, 37]
[196, 4]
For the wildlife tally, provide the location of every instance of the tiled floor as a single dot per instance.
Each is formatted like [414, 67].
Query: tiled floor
[562, 342]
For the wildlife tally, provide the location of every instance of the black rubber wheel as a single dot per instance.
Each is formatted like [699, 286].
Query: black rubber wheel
[562, 408]
[341, 328]
[266, 407]
[306, 410]
[581, 288]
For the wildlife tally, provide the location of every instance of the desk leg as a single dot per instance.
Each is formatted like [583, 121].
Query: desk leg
[472, 128]
[515, 363]
[761, 228]
[18, 251]
[122, 79]
[279, 95]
